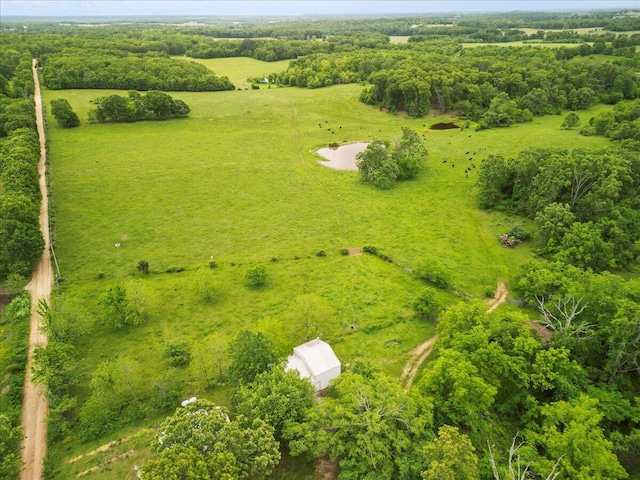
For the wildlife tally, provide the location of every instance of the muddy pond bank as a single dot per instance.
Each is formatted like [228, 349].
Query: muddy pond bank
[342, 157]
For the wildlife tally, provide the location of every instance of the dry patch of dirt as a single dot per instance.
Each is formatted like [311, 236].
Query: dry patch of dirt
[499, 298]
[422, 351]
[326, 469]
[543, 332]
[107, 462]
[101, 448]
[355, 251]
[418, 356]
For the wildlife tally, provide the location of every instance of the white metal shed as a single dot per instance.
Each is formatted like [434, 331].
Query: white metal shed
[316, 361]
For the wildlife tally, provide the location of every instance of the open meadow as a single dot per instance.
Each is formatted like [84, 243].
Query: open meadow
[238, 182]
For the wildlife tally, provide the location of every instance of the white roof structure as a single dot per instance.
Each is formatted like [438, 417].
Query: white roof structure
[316, 361]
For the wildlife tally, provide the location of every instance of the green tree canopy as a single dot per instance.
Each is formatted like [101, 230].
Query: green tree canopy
[63, 113]
[450, 456]
[276, 396]
[250, 353]
[371, 427]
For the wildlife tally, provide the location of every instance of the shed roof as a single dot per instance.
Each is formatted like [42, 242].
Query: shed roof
[315, 356]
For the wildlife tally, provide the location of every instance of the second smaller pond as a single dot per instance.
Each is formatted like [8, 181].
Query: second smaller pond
[343, 157]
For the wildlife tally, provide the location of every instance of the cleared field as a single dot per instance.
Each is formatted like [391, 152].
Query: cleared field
[239, 181]
[240, 69]
[399, 39]
[523, 43]
[580, 31]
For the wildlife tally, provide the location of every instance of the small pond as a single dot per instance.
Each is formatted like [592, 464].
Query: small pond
[444, 126]
[343, 157]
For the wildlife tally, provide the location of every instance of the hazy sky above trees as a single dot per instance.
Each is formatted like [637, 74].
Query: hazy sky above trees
[279, 7]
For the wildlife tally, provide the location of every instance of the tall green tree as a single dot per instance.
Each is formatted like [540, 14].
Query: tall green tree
[276, 396]
[450, 456]
[570, 431]
[10, 438]
[209, 361]
[376, 165]
[236, 449]
[63, 113]
[371, 427]
[410, 154]
[310, 316]
[250, 353]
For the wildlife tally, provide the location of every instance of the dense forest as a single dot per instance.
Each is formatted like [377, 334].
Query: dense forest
[498, 393]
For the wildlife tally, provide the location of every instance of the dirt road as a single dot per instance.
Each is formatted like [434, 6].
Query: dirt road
[34, 405]
[421, 352]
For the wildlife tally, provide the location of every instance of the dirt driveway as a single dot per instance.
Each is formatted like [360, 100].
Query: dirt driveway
[34, 405]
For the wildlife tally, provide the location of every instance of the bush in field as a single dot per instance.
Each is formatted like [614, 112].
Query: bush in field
[205, 287]
[178, 353]
[571, 121]
[434, 272]
[64, 114]
[519, 233]
[131, 303]
[143, 267]
[153, 105]
[256, 275]
[426, 305]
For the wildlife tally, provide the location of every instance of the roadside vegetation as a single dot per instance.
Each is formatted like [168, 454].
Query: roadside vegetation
[195, 252]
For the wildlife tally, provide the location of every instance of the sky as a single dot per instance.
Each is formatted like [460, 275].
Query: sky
[66, 8]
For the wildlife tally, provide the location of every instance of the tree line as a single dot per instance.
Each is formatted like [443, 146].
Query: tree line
[584, 203]
[20, 234]
[117, 70]
[494, 86]
[136, 107]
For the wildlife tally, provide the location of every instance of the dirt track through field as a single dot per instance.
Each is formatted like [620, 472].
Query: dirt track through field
[34, 404]
[422, 351]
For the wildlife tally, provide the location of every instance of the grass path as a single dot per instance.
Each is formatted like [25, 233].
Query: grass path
[422, 351]
[418, 356]
[34, 404]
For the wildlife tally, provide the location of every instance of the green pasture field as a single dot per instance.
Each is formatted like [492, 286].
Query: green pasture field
[239, 181]
[240, 69]
[523, 43]
[399, 38]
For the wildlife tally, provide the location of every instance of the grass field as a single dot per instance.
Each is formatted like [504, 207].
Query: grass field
[239, 181]
[523, 43]
[240, 69]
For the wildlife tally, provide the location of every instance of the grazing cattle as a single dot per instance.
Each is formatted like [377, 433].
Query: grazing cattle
[466, 153]
[444, 161]
[453, 164]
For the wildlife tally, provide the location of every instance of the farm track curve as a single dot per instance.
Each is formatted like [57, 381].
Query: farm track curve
[422, 351]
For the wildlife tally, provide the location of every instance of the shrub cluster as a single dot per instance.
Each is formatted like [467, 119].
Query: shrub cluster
[135, 107]
[621, 123]
[373, 250]
[256, 275]
[63, 113]
[16, 316]
[434, 272]
[20, 235]
[74, 68]
[584, 203]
